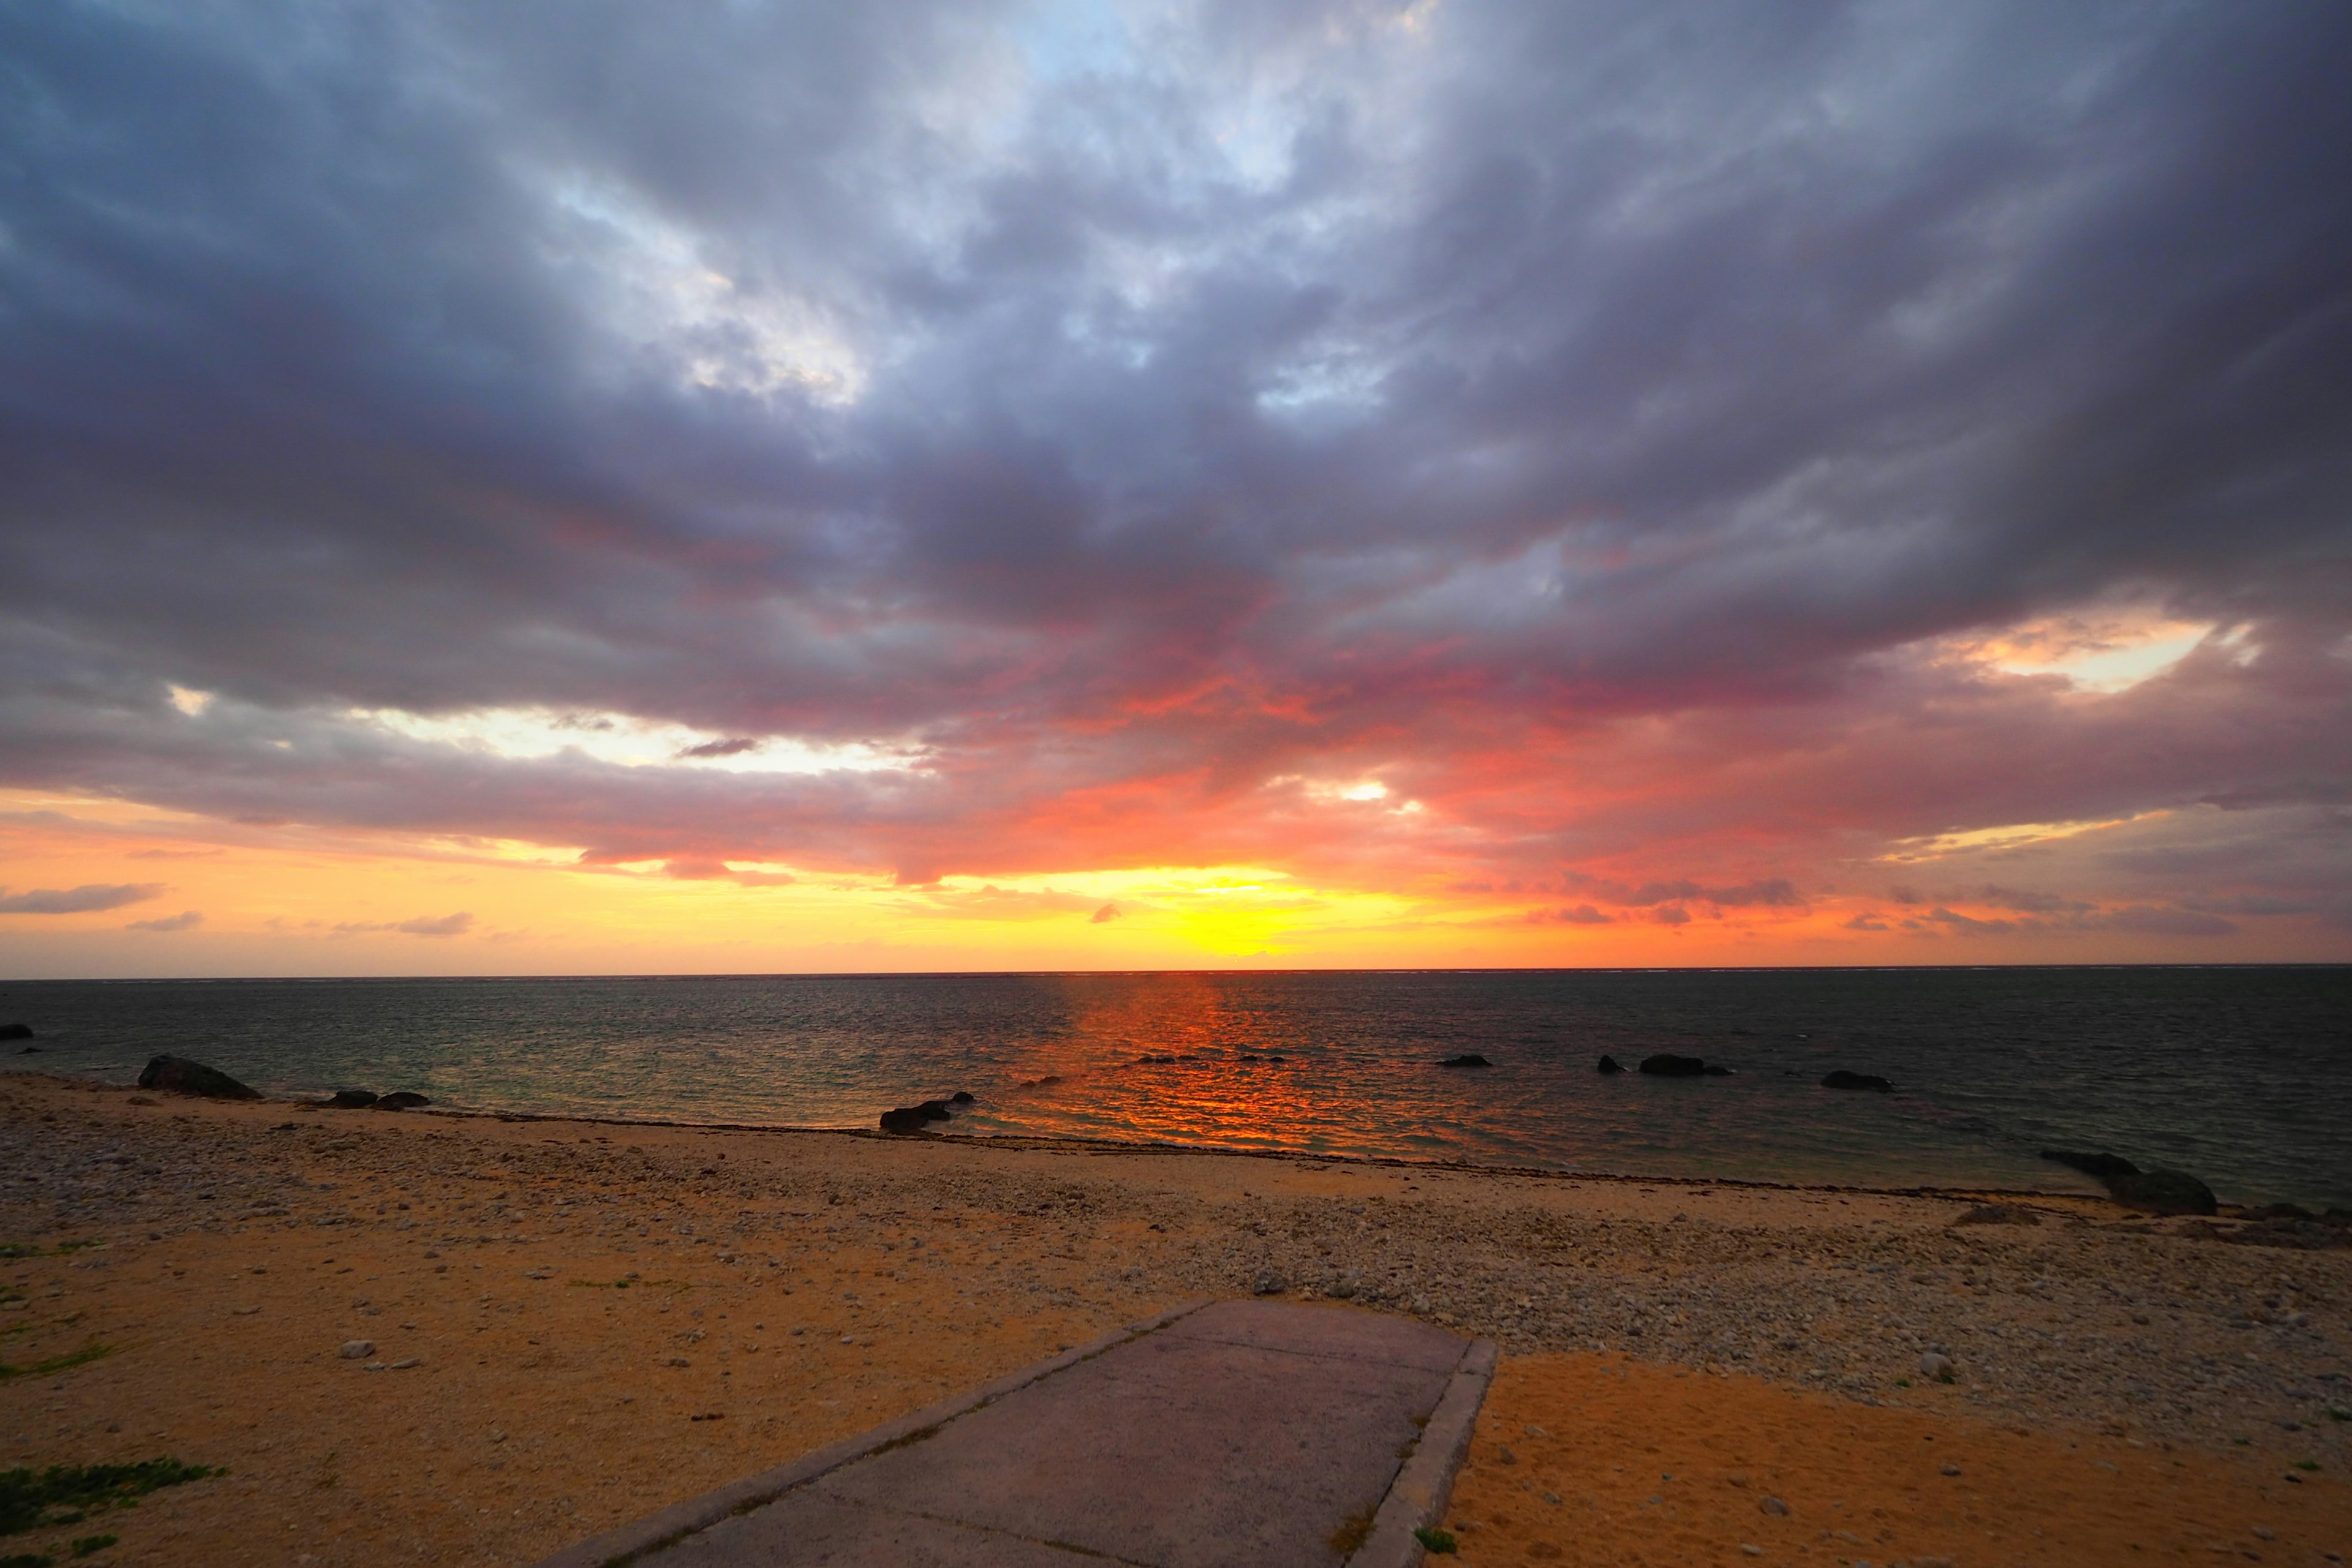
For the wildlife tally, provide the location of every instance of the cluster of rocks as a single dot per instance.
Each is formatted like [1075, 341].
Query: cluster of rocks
[2150, 1192]
[1667, 1063]
[368, 1100]
[918, 1118]
[178, 1075]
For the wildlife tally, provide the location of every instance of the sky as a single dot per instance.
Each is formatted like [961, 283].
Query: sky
[747, 488]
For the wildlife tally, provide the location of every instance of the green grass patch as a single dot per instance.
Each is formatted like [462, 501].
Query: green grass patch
[27, 1560]
[65, 1494]
[58, 1363]
[2307, 1463]
[1435, 1541]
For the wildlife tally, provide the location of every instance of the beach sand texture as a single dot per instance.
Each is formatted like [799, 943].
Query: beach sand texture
[605, 1318]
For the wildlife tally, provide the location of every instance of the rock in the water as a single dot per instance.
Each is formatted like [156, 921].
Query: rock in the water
[1842, 1079]
[1665, 1064]
[352, 1100]
[1467, 1059]
[960, 1097]
[1611, 1063]
[1998, 1214]
[358, 1350]
[2163, 1191]
[934, 1109]
[16, 1031]
[180, 1076]
[905, 1119]
[2105, 1166]
[401, 1100]
[1936, 1367]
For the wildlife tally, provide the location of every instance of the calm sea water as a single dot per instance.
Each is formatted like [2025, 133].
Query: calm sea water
[2242, 1075]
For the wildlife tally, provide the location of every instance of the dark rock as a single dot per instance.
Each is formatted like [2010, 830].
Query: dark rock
[934, 1109]
[2279, 1211]
[1842, 1079]
[2105, 1166]
[1468, 1059]
[906, 1119]
[2163, 1191]
[178, 1075]
[16, 1031]
[1665, 1064]
[1611, 1063]
[1998, 1214]
[352, 1100]
[960, 1097]
[401, 1100]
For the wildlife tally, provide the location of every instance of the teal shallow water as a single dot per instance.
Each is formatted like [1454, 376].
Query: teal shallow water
[2239, 1075]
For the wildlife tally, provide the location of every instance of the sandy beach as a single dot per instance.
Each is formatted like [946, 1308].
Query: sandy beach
[570, 1324]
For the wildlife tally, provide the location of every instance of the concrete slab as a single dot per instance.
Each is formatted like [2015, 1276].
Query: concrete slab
[1238, 1433]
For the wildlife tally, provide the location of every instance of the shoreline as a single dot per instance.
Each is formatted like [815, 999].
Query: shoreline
[1043, 1140]
[605, 1316]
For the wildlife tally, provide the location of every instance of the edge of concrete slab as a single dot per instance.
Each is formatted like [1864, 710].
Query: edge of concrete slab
[1417, 1497]
[617, 1548]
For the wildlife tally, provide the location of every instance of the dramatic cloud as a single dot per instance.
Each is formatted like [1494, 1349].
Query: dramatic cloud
[84, 899]
[1676, 465]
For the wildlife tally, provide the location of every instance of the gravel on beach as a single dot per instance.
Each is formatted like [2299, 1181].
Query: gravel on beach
[163, 1229]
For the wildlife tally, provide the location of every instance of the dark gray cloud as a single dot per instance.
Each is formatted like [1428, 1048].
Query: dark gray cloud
[1140, 408]
[85, 900]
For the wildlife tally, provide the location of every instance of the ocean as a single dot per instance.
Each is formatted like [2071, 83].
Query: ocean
[2240, 1075]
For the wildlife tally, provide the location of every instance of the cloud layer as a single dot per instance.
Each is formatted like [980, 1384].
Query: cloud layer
[1597, 462]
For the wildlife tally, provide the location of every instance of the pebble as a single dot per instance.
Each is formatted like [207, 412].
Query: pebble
[1936, 1367]
[1949, 1470]
[405, 1365]
[1751, 1551]
[358, 1350]
[1772, 1506]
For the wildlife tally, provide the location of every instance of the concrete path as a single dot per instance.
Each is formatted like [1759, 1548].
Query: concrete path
[1233, 1433]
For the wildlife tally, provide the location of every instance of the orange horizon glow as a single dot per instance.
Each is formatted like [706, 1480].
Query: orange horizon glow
[208, 898]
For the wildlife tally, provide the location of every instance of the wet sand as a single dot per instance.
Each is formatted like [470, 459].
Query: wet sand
[604, 1318]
